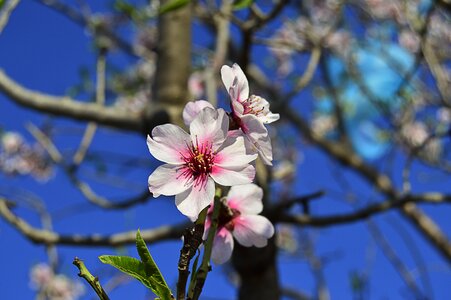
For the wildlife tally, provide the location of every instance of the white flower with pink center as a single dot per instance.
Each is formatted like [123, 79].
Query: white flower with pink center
[249, 113]
[195, 161]
[239, 219]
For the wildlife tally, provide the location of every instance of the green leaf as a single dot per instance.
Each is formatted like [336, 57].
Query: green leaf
[128, 265]
[240, 4]
[159, 285]
[172, 5]
[2, 2]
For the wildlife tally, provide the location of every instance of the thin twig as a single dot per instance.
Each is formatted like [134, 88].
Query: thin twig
[93, 281]
[6, 12]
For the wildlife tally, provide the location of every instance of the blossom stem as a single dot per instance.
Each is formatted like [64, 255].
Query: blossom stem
[202, 272]
[191, 242]
[92, 280]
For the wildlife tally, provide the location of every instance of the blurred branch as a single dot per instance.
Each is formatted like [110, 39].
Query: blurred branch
[68, 107]
[6, 11]
[41, 236]
[100, 100]
[394, 259]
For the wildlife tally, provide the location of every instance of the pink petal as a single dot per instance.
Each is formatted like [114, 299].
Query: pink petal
[193, 108]
[192, 201]
[246, 198]
[233, 176]
[168, 142]
[210, 128]
[222, 246]
[233, 153]
[167, 180]
[253, 230]
[235, 82]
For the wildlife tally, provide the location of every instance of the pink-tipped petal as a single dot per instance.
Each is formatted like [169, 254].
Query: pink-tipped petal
[193, 108]
[210, 127]
[222, 246]
[233, 176]
[253, 230]
[246, 198]
[192, 201]
[233, 153]
[235, 82]
[167, 180]
[167, 143]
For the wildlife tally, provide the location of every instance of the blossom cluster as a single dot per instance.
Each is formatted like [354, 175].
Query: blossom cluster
[54, 286]
[218, 151]
[19, 158]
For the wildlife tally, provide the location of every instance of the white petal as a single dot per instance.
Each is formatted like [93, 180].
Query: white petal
[253, 230]
[167, 180]
[193, 108]
[233, 176]
[269, 118]
[168, 143]
[235, 82]
[233, 153]
[257, 134]
[246, 198]
[210, 127]
[192, 201]
[222, 246]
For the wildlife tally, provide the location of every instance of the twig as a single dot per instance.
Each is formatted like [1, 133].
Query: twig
[192, 241]
[93, 281]
[100, 100]
[204, 268]
[6, 12]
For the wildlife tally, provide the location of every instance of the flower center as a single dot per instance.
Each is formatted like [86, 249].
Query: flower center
[198, 162]
[226, 216]
[254, 105]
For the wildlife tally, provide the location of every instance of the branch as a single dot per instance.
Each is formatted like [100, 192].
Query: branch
[40, 236]
[70, 108]
[6, 12]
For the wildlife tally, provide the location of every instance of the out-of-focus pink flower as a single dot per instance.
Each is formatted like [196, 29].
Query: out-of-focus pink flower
[249, 113]
[409, 40]
[195, 161]
[239, 219]
[41, 274]
[12, 142]
[196, 85]
[193, 108]
[52, 286]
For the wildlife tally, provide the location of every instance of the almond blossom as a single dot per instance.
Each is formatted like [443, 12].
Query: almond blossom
[249, 113]
[239, 219]
[195, 161]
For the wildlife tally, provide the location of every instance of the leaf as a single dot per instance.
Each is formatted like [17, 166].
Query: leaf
[159, 285]
[128, 265]
[2, 2]
[240, 4]
[172, 5]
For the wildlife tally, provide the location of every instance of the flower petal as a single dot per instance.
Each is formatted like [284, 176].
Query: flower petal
[193, 108]
[210, 128]
[235, 82]
[233, 176]
[192, 201]
[168, 142]
[257, 134]
[253, 230]
[246, 198]
[167, 180]
[222, 246]
[233, 153]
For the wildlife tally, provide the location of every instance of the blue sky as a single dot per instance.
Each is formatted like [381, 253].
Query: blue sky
[44, 51]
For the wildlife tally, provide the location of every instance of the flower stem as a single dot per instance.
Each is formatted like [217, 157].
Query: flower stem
[202, 272]
[92, 280]
[192, 240]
